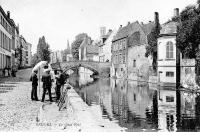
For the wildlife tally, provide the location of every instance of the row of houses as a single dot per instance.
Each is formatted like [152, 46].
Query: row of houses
[14, 49]
[125, 48]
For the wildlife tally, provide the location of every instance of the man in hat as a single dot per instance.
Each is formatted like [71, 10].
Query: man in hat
[46, 79]
[34, 80]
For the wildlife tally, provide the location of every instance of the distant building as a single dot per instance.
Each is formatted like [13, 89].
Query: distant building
[167, 53]
[69, 57]
[61, 55]
[55, 56]
[128, 51]
[88, 51]
[28, 55]
[17, 44]
[5, 40]
[105, 46]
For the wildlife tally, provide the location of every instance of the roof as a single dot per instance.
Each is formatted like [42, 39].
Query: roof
[131, 28]
[169, 28]
[105, 36]
[5, 15]
[85, 42]
[125, 31]
[147, 27]
[92, 49]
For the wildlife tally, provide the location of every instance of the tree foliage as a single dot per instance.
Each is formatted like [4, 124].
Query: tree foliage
[34, 59]
[188, 32]
[76, 44]
[43, 50]
[18, 55]
[151, 48]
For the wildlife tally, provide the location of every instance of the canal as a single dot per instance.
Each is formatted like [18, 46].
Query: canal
[139, 106]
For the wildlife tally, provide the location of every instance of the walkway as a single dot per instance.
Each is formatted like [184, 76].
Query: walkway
[19, 113]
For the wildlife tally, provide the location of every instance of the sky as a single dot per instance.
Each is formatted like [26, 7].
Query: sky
[61, 20]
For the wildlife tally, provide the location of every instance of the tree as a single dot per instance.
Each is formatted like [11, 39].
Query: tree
[43, 50]
[151, 48]
[188, 33]
[34, 59]
[18, 55]
[76, 44]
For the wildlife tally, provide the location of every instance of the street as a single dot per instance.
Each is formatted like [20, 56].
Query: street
[19, 113]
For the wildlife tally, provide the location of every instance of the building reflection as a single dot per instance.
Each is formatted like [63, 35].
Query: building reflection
[188, 114]
[133, 105]
[167, 108]
[138, 106]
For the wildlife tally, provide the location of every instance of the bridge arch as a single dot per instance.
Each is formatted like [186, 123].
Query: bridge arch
[97, 67]
[81, 65]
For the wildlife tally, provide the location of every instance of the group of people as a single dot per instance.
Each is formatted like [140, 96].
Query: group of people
[47, 84]
[10, 71]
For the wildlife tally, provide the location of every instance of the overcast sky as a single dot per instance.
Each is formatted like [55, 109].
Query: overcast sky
[62, 20]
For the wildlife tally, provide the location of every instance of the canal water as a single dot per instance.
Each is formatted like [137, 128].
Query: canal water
[140, 106]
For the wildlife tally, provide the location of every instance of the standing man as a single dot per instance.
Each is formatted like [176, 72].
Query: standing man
[34, 80]
[58, 85]
[62, 80]
[46, 79]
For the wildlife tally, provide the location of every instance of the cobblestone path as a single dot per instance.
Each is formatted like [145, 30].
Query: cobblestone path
[19, 113]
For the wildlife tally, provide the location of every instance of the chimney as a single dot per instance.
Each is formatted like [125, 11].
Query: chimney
[110, 30]
[102, 31]
[120, 26]
[176, 12]
[156, 17]
[128, 23]
[141, 23]
[8, 14]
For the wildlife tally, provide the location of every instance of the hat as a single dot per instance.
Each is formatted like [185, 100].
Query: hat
[35, 70]
[47, 70]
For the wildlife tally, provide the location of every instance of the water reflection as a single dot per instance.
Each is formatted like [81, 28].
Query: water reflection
[137, 106]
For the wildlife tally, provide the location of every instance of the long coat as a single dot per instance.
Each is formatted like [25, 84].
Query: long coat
[46, 79]
[34, 79]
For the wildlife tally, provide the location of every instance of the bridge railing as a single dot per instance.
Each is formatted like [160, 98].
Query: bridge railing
[84, 61]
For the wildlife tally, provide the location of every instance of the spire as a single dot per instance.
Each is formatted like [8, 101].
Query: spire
[68, 44]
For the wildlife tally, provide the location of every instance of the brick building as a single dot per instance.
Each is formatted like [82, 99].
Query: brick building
[5, 39]
[128, 51]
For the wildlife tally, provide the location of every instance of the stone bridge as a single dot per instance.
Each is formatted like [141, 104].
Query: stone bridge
[96, 67]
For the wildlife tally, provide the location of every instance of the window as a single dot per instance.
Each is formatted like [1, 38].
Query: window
[124, 44]
[169, 50]
[134, 63]
[120, 44]
[117, 60]
[169, 74]
[188, 70]
[134, 95]
[120, 58]
[169, 99]
[124, 58]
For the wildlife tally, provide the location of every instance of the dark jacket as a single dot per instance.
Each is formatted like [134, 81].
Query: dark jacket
[46, 79]
[34, 79]
[60, 80]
